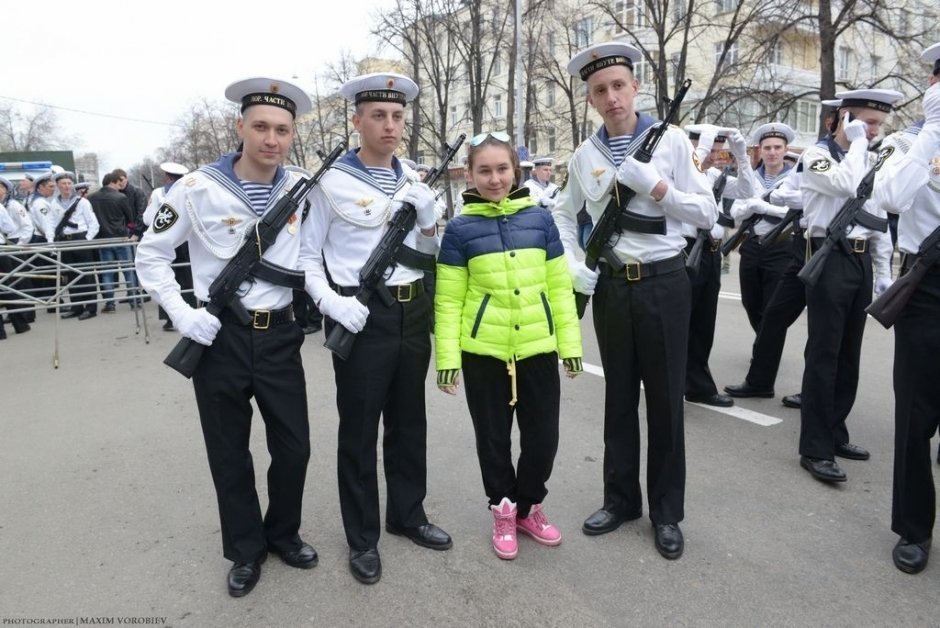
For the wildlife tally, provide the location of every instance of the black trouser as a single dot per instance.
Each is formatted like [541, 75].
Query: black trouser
[306, 312]
[184, 277]
[383, 376]
[785, 306]
[240, 364]
[489, 392]
[19, 320]
[706, 284]
[642, 330]
[835, 309]
[917, 411]
[760, 271]
[83, 294]
[43, 287]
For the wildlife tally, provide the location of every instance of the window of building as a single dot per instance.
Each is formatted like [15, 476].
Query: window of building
[775, 53]
[731, 56]
[550, 94]
[534, 143]
[453, 114]
[497, 65]
[550, 136]
[550, 43]
[803, 116]
[587, 130]
[584, 32]
[726, 6]
[498, 105]
[672, 70]
[679, 11]
[842, 64]
[875, 62]
[631, 13]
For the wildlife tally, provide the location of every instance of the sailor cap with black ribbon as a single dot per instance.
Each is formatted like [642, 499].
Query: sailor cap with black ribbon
[695, 131]
[543, 161]
[269, 91]
[65, 175]
[833, 102]
[600, 56]
[171, 167]
[877, 99]
[932, 55]
[526, 165]
[6, 183]
[42, 178]
[379, 87]
[774, 129]
[84, 185]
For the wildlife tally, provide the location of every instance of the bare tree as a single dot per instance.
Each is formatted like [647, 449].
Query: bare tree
[37, 129]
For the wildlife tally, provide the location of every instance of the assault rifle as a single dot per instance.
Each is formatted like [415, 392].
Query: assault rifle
[598, 244]
[702, 236]
[788, 220]
[372, 274]
[223, 291]
[746, 228]
[849, 215]
[887, 307]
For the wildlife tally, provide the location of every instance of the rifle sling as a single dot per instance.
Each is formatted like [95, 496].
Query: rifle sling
[66, 219]
[412, 258]
[725, 220]
[278, 275]
[871, 221]
[638, 223]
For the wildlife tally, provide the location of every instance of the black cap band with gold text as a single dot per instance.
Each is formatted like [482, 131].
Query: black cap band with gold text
[694, 135]
[604, 62]
[936, 67]
[867, 103]
[267, 98]
[770, 134]
[381, 95]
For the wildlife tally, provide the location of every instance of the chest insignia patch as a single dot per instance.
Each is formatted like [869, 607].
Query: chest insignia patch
[230, 222]
[166, 217]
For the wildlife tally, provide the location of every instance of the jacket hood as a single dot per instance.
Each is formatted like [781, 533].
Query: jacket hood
[476, 205]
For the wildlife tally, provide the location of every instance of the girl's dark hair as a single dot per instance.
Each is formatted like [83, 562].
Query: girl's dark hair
[513, 157]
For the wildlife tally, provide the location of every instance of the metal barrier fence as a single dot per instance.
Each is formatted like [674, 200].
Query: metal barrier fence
[40, 276]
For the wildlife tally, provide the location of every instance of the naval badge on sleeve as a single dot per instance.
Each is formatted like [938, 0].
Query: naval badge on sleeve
[166, 217]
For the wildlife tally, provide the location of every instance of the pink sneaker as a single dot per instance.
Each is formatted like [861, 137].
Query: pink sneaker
[505, 542]
[538, 527]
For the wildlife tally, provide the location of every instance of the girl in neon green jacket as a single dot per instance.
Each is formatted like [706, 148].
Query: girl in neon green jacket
[505, 313]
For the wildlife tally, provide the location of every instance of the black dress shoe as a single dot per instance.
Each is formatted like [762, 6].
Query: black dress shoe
[823, 470]
[852, 452]
[793, 401]
[108, 308]
[722, 401]
[168, 326]
[303, 558]
[669, 541]
[84, 316]
[746, 390]
[426, 535]
[71, 314]
[911, 557]
[365, 565]
[603, 521]
[243, 577]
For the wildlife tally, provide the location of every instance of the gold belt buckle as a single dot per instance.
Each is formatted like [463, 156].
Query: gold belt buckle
[404, 295]
[859, 245]
[259, 315]
[716, 245]
[633, 271]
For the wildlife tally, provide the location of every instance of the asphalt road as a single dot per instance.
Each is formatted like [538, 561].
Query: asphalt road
[107, 511]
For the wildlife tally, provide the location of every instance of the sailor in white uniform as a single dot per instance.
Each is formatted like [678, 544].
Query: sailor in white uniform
[71, 218]
[214, 209]
[641, 305]
[540, 183]
[384, 375]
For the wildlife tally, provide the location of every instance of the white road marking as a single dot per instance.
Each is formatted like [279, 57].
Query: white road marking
[734, 411]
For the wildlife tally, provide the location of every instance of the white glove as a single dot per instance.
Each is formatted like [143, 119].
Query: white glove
[738, 146]
[706, 140]
[547, 203]
[197, 324]
[756, 206]
[854, 130]
[583, 278]
[347, 311]
[932, 105]
[421, 196]
[638, 176]
[776, 198]
[882, 284]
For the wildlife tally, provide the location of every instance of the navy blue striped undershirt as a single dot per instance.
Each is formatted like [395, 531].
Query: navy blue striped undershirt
[258, 193]
[618, 147]
[386, 179]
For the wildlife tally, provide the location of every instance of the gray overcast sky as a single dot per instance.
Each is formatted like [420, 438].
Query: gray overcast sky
[151, 60]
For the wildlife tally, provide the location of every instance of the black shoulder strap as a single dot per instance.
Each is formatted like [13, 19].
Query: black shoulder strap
[66, 217]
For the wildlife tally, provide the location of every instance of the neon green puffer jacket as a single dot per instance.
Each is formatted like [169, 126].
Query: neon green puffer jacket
[503, 288]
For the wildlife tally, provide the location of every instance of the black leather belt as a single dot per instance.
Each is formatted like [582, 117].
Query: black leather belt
[403, 293]
[635, 271]
[81, 235]
[856, 245]
[261, 319]
[713, 245]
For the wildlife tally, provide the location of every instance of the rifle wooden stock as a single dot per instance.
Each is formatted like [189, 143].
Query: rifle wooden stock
[606, 226]
[371, 277]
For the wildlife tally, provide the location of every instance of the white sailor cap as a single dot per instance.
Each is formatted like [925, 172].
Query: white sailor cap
[409, 162]
[380, 87]
[171, 167]
[695, 131]
[877, 99]
[65, 174]
[833, 102]
[600, 56]
[423, 168]
[84, 185]
[526, 164]
[56, 169]
[42, 178]
[543, 161]
[791, 156]
[773, 129]
[269, 91]
[6, 183]
[932, 55]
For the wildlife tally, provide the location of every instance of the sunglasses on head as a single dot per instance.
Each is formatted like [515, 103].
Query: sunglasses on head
[500, 136]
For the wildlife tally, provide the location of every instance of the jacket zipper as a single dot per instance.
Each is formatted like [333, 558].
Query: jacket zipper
[548, 314]
[479, 318]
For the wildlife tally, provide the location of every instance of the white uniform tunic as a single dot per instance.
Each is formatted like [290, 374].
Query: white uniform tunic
[543, 194]
[591, 177]
[741, 210]
[741, 186]
[156, 199]
[83, 217]
[209, 210]
[39, 208]
[828, 184]
[22, 224]
[349, 212]
[910, 188]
